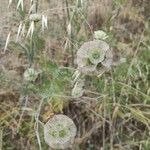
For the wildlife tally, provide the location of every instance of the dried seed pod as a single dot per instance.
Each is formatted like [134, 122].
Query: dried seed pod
[35, 17]
[60, 132]
[30, 74]
[100, 35]
[93, 53]
[108, 59]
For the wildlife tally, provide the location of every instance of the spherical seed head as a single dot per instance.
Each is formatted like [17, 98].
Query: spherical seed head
[90, 55]
[59, 132]
[35, 17]
[100, 35]
[30, 74]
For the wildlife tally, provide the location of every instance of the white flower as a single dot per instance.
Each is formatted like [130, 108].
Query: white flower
[100, 35]
[60, 132]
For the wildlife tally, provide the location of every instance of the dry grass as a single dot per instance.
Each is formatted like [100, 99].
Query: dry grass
[113, 113]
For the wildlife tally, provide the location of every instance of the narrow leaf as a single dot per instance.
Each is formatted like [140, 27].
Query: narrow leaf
[7, 41]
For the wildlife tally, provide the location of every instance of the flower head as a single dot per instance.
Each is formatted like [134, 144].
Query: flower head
[93, 53]
[30, 74]
[59, 132]
[35, 17]
[100, 35]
